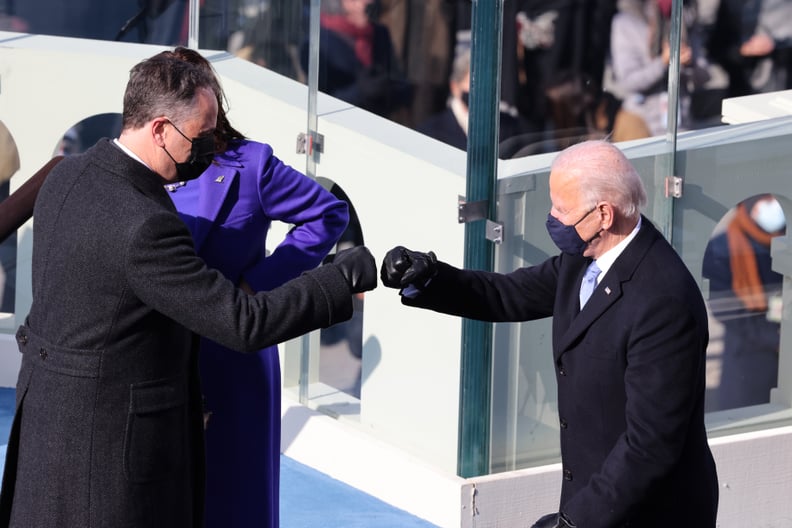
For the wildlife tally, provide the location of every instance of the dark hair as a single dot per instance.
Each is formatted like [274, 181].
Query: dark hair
[162, 86]
[224, 132]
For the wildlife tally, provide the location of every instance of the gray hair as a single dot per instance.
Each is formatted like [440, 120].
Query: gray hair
[604, 174]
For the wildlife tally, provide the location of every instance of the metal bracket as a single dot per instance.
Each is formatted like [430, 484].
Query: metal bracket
[310, 143]
[470, 211]
[494, 232]
[673, 187]
[315, 142]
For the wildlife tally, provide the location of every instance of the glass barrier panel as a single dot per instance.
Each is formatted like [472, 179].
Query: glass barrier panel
[9, 165]
[272, 34]
[524, 429]
[730, 227]
[8, 255]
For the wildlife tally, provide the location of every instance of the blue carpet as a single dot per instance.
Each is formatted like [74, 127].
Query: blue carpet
[308, 498]
[6, 416]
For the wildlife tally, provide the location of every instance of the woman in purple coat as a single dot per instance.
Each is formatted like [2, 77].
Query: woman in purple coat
[228, 210]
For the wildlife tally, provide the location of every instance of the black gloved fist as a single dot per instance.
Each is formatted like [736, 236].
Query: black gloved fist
[358, 267]
[402, 267]
[553, 520]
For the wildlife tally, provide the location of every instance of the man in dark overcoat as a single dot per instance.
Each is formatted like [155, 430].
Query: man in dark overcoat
[629, 359]
[108, 425]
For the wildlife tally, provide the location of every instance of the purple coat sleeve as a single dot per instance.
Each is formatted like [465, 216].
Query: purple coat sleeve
[318, 219]
[241, 194]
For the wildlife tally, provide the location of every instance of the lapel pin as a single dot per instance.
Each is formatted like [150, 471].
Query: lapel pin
[173, 187]
[607, 290]
[220, 179]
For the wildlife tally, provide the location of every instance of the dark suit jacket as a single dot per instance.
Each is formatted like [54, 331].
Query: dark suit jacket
[107, 430]
[630, 374]
[444, 127]
[380, 88]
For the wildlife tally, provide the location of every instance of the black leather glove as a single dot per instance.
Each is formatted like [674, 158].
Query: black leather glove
[553, 520]
[358, 267]
[402, 267]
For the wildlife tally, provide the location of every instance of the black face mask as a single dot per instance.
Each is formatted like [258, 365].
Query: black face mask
[465, 96]
[201, 154]
[566, 237]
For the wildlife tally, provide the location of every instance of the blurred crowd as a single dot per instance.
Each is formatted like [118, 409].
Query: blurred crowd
[571, 69]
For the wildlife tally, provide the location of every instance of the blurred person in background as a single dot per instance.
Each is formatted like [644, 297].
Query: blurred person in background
[357, 61]
[752, 41]
[269, 35]
[451, 126]
[745, 296]
[640, 55]
[559, 42]
[422, 36]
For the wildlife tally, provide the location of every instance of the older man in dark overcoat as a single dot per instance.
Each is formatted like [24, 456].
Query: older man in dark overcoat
[629, 354]
[108, 425]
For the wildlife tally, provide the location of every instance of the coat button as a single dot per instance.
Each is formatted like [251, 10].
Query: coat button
[567, 475]
[43, 353]
[562, 370]
[564, 424]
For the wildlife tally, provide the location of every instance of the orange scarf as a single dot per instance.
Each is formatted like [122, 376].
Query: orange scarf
[746, 283]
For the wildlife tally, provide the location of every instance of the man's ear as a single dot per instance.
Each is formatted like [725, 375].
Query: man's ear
[158, 130]
[606, 213]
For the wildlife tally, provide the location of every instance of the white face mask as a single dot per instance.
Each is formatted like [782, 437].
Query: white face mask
[769, 216]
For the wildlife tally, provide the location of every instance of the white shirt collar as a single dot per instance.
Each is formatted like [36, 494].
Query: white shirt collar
[606, 260]
[130, 153]
[460, 112]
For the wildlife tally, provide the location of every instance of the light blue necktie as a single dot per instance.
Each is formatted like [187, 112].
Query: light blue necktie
[589, 283]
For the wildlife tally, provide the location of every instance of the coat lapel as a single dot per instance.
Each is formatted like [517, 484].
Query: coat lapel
[609, 290]
[214, 185]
